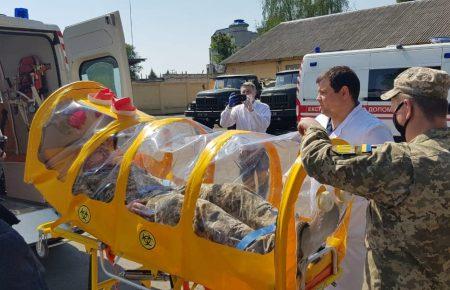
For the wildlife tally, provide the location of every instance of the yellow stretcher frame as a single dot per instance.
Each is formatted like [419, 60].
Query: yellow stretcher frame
[91, 247]
[176, 250]
[285, 253]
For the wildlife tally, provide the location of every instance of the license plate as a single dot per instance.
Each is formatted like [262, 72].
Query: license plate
[202, 114]
[274, 113]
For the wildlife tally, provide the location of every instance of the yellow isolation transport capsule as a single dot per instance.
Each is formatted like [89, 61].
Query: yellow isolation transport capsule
[93, 165]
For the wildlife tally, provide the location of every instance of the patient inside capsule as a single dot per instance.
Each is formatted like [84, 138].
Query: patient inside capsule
[225, 213]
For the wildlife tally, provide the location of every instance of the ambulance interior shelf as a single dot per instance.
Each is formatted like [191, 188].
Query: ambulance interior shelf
[21, 98]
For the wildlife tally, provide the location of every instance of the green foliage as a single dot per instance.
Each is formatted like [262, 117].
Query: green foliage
[136, 68]
[277, 11]
[223, 46]
[152, 75]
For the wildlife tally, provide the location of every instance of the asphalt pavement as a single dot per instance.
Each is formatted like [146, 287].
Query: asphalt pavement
[67, 267]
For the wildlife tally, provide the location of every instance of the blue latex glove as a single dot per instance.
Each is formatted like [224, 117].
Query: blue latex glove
[233, 100]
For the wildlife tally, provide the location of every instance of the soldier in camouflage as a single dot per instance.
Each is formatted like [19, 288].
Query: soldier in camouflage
[408, 184]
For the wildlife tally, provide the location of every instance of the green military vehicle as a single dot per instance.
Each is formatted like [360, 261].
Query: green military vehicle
[281, 98]
[209, 104]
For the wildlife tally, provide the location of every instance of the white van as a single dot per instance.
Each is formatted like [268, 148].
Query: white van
[35, 60]
[376, 69]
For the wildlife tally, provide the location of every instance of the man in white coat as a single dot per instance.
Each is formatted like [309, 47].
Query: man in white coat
[344, 117]
[250, 115]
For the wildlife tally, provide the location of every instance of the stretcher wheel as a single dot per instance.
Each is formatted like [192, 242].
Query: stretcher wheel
[42, 249]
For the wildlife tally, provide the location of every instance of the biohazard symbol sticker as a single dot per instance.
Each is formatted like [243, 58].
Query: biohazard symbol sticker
[147, 240]
[84, 214]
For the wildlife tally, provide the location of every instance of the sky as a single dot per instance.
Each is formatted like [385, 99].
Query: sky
[172, 35]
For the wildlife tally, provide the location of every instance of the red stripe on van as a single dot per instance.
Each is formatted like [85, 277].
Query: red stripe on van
[298, 106]
[378, 109]
[310, 109]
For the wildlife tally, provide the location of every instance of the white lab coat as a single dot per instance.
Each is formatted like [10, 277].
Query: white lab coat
[360, 127]
[257, 121]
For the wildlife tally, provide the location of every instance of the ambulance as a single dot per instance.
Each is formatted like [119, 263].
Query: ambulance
[35, 60]
[376, 69]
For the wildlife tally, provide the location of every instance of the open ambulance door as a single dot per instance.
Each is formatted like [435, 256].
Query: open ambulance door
[96, 51]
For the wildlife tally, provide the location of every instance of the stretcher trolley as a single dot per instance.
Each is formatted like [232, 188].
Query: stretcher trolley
[226, 210]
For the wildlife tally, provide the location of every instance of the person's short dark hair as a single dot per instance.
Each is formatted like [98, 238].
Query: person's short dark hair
[340, 76]
[432, 107]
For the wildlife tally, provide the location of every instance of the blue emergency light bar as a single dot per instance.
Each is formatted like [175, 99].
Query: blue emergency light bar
[440, 39]
[21, 13]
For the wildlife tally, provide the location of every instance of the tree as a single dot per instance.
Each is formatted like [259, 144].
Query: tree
[277, 11]
[133, 61]
[222, 45]
[152, 75]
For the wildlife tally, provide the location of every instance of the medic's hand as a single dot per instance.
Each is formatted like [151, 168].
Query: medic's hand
[305, 123]
[233, 100]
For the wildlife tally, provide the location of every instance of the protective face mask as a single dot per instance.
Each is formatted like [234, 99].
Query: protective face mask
[400, 128]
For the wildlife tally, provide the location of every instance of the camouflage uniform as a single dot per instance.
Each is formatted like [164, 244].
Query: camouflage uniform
[100, 184]
[408, 184]
[225, 213]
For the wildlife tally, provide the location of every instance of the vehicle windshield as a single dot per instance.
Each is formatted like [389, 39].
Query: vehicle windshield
[285, 79]
[230, 83]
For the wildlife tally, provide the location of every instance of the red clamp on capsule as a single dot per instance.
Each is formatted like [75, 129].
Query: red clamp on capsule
[123, 106]
[102, 97]
[77, 119]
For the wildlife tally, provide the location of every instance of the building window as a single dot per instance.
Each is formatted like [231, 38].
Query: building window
[292, 66]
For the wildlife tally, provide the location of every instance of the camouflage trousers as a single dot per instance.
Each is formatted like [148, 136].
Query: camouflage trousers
[100, 183]
[224, 214]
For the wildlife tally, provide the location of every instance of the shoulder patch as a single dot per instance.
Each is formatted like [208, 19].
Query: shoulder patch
[353, 150]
